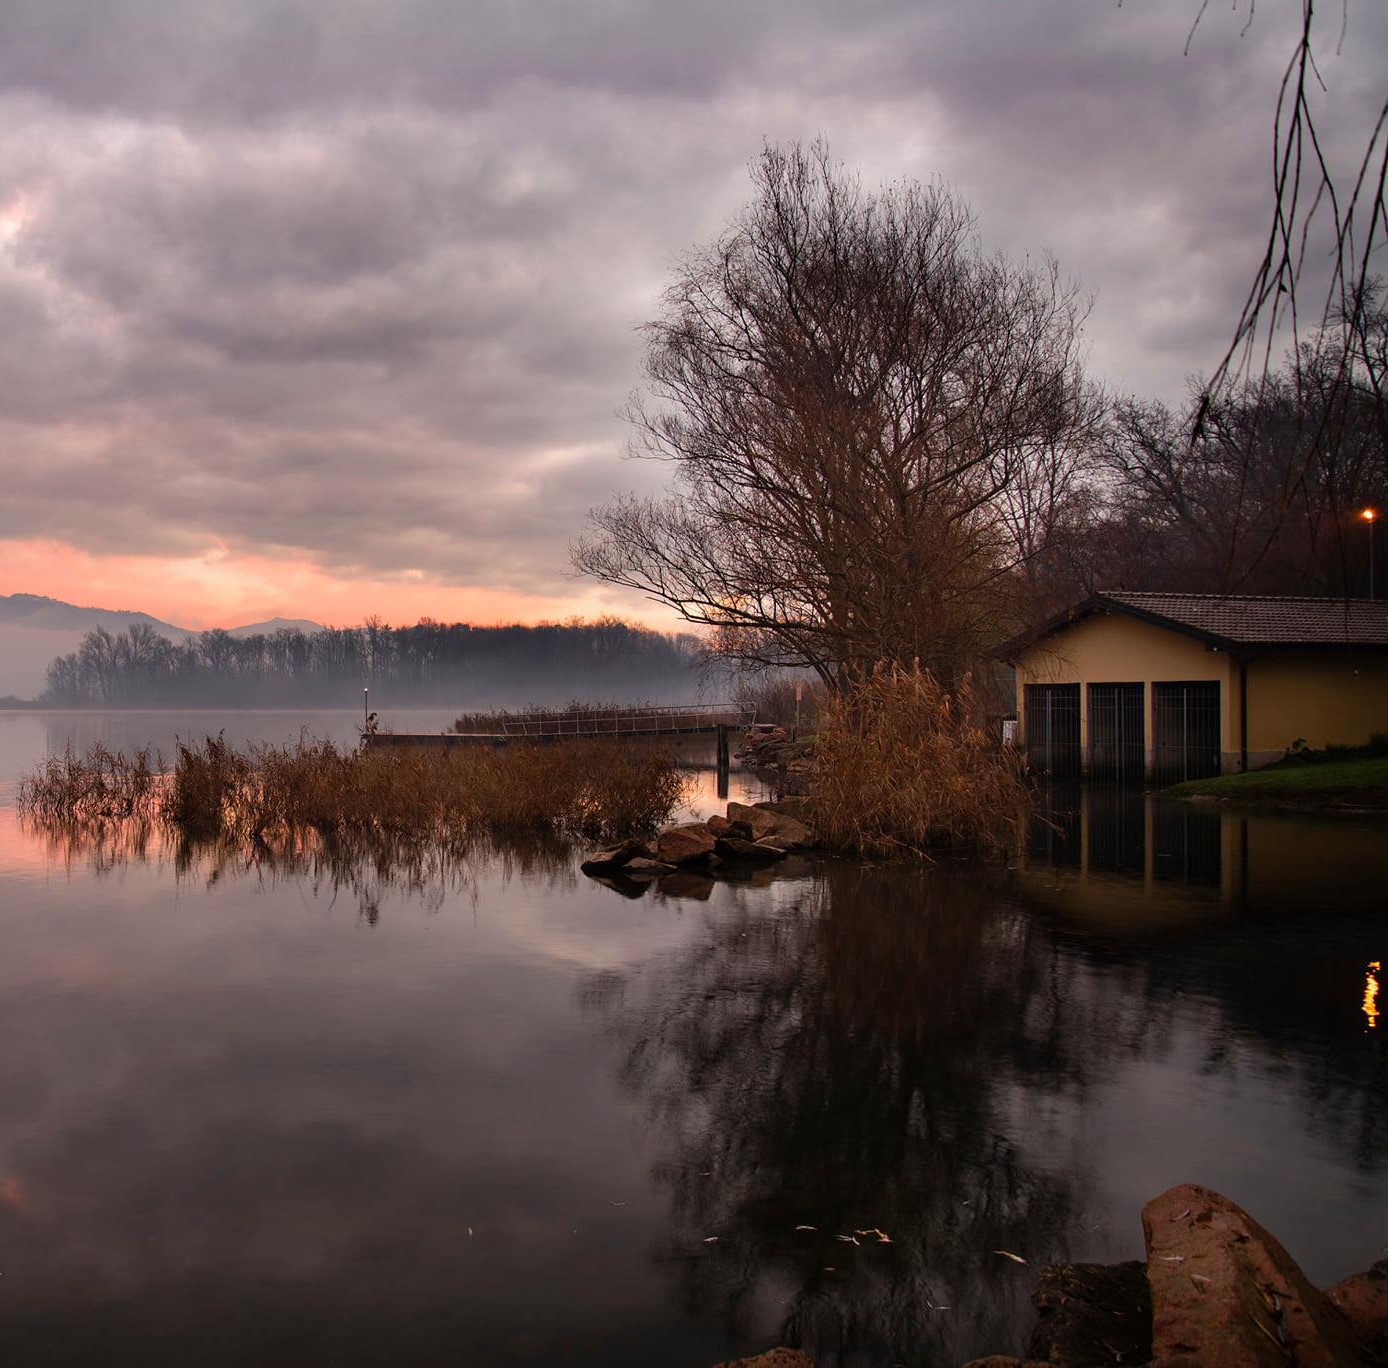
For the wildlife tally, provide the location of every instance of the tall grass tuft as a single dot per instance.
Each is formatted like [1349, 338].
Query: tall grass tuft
[596, 790]
[905, 769]
[98, 785]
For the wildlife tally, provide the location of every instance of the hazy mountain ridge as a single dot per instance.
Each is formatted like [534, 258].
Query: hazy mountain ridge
[34, 629]
[54, 615]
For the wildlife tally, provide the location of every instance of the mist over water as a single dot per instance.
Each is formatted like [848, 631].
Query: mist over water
[353, 1104]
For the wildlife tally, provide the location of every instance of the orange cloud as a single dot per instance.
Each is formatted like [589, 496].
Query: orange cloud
[224, 589]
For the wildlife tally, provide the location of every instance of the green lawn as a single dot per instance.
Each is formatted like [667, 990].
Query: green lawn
[1362, 783]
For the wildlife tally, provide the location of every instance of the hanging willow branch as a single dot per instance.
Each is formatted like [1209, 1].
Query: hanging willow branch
[1310, 194]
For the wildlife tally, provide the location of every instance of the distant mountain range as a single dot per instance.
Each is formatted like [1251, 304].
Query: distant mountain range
[35, 629]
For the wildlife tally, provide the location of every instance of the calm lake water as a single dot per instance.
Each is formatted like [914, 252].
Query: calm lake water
[320, 1108]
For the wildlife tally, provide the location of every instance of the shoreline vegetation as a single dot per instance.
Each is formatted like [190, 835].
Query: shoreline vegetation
[591, 791]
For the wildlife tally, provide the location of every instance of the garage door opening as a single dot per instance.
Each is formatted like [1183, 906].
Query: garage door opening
[1053, 728]
[1117, 733]
[1185, 730]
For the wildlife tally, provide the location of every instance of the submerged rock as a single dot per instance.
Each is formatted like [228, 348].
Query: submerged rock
[1092, 1313]
[605, 861]
[736, 848]
[686, 883]
[643, 868]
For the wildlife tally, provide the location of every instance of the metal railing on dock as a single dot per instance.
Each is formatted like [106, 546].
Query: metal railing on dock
[697, 719]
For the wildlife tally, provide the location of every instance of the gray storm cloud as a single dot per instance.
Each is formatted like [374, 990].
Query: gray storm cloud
[362, 281]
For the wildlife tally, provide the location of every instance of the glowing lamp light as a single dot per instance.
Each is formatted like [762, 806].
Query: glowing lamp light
[1369, 514]
[1370, 1004]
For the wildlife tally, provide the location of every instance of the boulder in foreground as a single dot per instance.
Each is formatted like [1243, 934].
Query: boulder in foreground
[1217, 1291]
[1225, 1294]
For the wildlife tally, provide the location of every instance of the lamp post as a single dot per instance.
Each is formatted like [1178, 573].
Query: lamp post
[1370, 516]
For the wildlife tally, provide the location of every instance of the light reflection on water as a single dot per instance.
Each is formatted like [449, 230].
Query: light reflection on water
[312, 1102]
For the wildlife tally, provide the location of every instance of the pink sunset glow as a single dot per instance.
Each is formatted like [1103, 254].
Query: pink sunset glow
[222, 589]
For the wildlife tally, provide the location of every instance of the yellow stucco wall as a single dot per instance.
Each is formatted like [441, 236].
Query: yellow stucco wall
[1113, 648]
[1323, 698]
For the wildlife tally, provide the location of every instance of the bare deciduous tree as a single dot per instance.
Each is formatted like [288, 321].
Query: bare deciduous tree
[863, 411]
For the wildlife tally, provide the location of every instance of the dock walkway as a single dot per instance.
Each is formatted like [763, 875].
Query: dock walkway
[696, 719]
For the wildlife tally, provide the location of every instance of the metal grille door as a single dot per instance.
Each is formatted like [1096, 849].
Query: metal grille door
[1117, 736]
[1185, 730]
[1053, 728]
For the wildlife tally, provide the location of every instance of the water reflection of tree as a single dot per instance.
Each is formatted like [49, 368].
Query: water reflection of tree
[854, 1062]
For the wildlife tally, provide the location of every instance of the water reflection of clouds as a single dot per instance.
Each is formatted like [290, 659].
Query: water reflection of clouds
[246, 1105]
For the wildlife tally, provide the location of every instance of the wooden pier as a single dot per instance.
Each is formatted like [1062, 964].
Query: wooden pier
[698, 719]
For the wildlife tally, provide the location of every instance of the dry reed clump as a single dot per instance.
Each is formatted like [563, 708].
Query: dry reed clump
[904, 769]
[98, 785]
[596, 790]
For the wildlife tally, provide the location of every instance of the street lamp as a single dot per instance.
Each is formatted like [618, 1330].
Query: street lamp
[1370, 516]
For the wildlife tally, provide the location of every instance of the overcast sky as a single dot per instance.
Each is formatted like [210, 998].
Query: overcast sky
[326, 307]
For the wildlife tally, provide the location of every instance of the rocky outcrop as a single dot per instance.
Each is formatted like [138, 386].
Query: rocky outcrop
[1217, 1291]
[750, 837]
[682, 844]
[1225, 1294]
[1364, 1301]
[614, 858]
[790, 833]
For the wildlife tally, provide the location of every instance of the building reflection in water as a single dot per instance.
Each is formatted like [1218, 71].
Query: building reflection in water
[1110, 830]
[1103, 846]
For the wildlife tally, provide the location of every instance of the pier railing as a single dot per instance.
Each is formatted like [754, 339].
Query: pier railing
[684, 720]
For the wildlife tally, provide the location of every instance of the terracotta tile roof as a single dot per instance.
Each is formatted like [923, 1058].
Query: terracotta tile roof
[1252, 621]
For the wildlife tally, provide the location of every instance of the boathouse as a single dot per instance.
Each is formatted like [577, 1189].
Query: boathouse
[1181, 686]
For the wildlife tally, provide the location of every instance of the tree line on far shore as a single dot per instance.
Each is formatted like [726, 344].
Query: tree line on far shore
[429, 664]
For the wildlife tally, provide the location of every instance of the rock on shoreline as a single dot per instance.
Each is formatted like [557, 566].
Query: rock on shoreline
[749, 835]
[1217, 1291]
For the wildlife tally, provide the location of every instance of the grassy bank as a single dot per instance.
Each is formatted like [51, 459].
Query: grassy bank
[597, 790]
[1334, 783]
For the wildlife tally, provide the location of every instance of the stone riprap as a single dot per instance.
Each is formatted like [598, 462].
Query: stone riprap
[749, 836]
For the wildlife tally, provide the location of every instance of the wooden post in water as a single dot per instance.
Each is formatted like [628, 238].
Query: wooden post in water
[722, 761]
